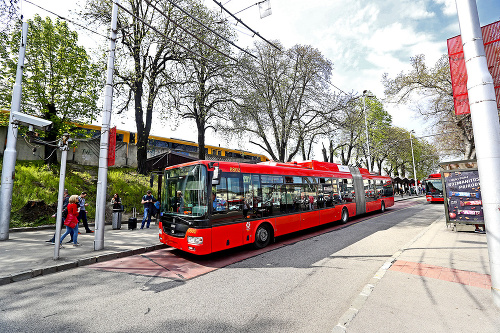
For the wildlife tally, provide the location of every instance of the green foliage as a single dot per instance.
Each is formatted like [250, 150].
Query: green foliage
[60, 81]
[36, 181]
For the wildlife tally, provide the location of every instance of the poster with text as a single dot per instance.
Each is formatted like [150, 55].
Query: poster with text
[463, 194]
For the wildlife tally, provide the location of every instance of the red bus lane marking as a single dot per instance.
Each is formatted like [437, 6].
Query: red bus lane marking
[177, 265]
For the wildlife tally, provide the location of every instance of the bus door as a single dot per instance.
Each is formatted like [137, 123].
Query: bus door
[359, 190]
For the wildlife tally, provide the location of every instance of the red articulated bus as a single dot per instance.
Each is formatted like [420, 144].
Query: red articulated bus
[212, 206]
[434, 188]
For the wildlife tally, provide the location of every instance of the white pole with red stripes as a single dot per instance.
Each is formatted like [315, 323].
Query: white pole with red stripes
[485, 123]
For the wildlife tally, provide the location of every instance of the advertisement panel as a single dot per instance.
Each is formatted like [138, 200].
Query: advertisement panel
[464, 196]
[462, 193]
[458, 72]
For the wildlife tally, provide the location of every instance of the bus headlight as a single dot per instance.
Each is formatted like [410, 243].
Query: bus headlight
[195, 240]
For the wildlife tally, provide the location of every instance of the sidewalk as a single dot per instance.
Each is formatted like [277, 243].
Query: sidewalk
[26, 254]
[17, 265]
[438, 282]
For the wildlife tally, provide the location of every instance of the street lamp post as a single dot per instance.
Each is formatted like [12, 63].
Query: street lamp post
[413, 159]
[366, 128]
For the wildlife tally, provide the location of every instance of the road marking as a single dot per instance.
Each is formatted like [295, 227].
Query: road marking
[362, 297]
[443, 273]
[176, 265]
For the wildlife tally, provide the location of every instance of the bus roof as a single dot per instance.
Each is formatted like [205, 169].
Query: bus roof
[308, 168]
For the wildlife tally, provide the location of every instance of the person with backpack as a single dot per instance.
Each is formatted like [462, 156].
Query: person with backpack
[148, 201]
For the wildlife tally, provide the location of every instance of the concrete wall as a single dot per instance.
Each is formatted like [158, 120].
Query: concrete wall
[87, 152]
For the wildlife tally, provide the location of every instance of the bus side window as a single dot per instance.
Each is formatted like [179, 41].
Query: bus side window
[375, 192]
[321, 193]
[271, 196]
[335, 196]
[234, 194]
[310, 188]
[219, 196]
[367, 190]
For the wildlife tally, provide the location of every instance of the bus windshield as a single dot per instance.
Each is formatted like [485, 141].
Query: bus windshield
[186, 191]
[434, 186]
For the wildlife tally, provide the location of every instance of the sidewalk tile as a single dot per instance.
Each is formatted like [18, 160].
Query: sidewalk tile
[447, 276]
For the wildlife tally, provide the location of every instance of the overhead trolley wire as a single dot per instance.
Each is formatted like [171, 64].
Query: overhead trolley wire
[246, 26]
[258, 3]
[203, 25]
[190, 33]
[156, 30]
[66, 19]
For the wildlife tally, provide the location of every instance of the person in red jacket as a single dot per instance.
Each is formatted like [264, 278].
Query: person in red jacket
[71, 221]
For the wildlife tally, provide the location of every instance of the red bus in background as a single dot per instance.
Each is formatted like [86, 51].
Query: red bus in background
[434, 188]
[212, 206]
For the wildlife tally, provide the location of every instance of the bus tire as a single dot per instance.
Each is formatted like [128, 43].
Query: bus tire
[382, 207]
[262, 236]
[344, 216]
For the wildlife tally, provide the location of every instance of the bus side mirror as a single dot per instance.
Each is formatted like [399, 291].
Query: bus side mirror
[216, 176]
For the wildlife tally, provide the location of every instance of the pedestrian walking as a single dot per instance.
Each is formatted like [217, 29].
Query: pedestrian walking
[148, 202]
[64, 215]
[82, 215]
[71, 221]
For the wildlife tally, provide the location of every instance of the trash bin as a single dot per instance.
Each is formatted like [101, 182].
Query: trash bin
[117, 218]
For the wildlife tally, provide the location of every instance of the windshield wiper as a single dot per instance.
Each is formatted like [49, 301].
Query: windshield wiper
[183, 220]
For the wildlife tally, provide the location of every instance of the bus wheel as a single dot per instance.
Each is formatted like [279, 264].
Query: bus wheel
[344, 217]
[262, 236]
[382, 207]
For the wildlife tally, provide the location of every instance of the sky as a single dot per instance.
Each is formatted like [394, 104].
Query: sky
[363, 39]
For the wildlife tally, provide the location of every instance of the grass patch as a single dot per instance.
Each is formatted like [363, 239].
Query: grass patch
[35, 181]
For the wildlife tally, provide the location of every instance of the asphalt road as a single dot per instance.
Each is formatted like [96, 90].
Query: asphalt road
[302, 287]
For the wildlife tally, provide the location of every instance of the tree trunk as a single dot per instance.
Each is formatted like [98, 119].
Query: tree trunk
[142, 152]
[201, 141]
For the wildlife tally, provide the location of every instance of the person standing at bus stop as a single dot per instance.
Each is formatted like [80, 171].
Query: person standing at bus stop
[82, 215]
[148, 202]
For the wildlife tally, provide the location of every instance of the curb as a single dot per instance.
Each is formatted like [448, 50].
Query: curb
[25, 275]
[360, 300]
[52, 226]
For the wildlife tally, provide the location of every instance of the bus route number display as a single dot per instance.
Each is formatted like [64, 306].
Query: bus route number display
[464, 196]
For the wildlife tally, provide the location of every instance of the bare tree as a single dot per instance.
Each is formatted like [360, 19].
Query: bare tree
[280, 94]
[206, 92]
[455, 132]
[149, 44]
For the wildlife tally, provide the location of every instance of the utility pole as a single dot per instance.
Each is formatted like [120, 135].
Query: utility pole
[102, 176]
[485, 123]
[10, 153]
[413, 159]
[366, 129]
[64, 147]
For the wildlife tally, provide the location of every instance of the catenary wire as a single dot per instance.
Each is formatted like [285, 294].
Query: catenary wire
[246, 26]
[66, 19]
[167, 38]
[190, 33]
[203, 25]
